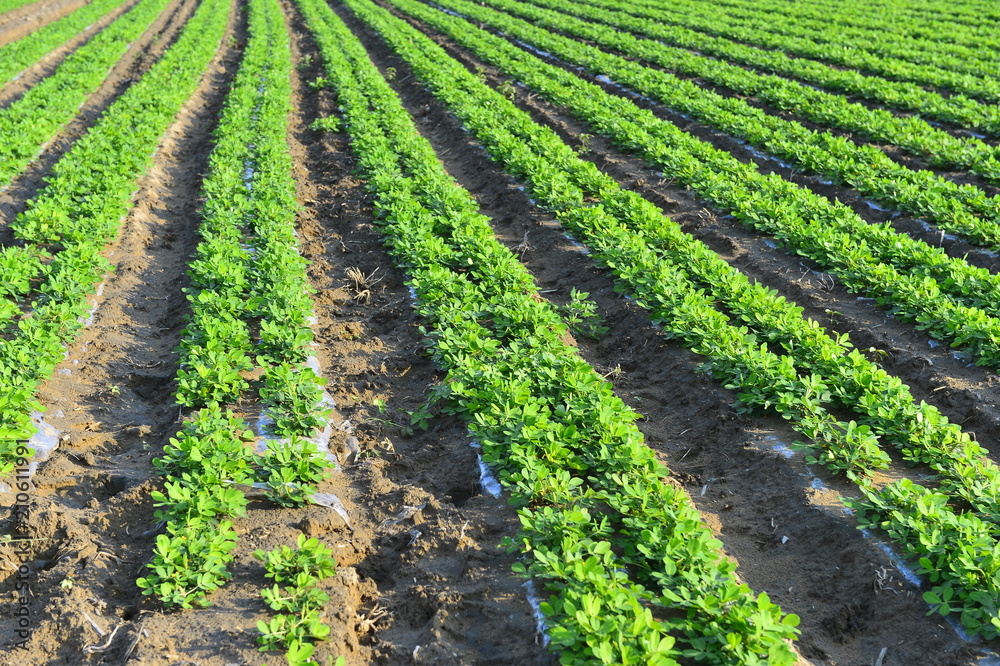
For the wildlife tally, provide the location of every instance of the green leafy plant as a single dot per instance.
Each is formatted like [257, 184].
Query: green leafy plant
[299, 604]
[580, 314]
[310, 557]
[291, 470]
[293, 396]
[326, 124]
[189, 562]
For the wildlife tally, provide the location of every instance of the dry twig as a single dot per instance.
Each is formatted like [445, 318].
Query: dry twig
[362, 284]
[103, 648]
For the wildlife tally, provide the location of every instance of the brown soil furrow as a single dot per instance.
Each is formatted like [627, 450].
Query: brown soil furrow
[26, 19]
[112, 400]
[47, 64]
[141, 55]
[750, 495]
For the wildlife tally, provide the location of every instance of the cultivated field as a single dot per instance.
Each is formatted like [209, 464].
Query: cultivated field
[507, 332]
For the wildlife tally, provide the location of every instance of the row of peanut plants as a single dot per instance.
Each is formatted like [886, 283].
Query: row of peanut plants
[246, 274]
[938, 26]
[957, 109]
[30, 123]
[830, 110]
[720, 278]
[945, 296]
[956, 50]
[602, 531]
[10, 5]
[17, 56]
[703, 19]
[961, 209]
[973, 14]
[680, 280]
[67, 225]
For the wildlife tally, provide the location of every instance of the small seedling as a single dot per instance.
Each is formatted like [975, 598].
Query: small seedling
[507, 90]
[326, 124]
[580, 315]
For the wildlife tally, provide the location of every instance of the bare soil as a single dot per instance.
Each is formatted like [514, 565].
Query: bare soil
[435, 587]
